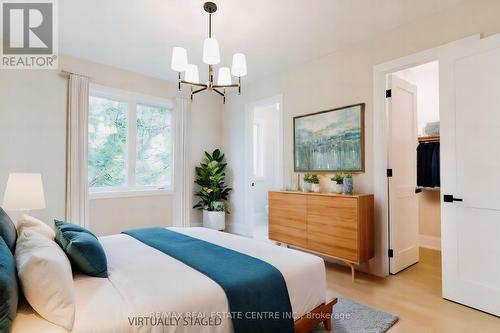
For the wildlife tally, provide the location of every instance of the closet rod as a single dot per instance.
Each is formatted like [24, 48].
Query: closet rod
[431, 138]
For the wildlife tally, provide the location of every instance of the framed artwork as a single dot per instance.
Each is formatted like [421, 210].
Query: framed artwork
[330, 141]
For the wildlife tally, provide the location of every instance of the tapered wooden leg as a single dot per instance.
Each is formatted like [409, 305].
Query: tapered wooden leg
[328, 324]
[277, 243]
[352, 270]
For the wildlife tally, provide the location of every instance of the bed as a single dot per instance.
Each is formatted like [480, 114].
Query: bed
[144, 283]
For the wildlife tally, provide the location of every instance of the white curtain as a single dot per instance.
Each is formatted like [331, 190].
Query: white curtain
[183, 181]
[77, 159]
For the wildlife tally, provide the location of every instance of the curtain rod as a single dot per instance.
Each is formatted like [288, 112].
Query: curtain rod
[65, 72]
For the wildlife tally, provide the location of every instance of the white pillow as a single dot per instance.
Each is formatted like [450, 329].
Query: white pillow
[46, 278]
[29, 222]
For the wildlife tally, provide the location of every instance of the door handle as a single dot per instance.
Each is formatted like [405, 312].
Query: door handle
[450, 198]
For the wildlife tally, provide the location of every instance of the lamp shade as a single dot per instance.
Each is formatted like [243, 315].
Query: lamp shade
[224, 77]
[211, 54]
[192, 74]
[179, 59]
[24, 192]
[239, 67]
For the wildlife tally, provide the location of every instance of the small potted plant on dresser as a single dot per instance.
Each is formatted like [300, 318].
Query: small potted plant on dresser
[337, 185]
[348, 184]
[213, 192]
[311, 183]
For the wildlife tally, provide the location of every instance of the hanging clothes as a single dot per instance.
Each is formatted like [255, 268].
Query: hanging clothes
[428, 164]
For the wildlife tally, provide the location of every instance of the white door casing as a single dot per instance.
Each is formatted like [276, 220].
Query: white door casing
[402, 159]
[470, 162]
[248, 228]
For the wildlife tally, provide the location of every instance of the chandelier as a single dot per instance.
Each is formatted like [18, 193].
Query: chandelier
[211, 57]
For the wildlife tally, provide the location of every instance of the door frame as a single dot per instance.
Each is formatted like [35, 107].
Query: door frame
[276, 99]
[380, 142]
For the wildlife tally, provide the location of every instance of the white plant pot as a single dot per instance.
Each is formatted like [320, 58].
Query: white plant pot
[315, 188]
[337, 188]
[306, 187]
[214, 220]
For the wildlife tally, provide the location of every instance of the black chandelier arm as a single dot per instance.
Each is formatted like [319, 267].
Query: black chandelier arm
[199, 90]
[226, 86]
[196, 91]
[194, 84]
[219, 92]
[223, 94]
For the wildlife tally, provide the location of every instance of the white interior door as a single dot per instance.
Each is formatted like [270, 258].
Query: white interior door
[403, 201]
[470, 142]
[263, 161]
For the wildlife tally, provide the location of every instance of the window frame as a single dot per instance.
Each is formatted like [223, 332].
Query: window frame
[133, 99]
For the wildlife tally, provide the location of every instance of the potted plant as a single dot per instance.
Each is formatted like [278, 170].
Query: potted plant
[337, 185]
[311, 182]
[213, 192]
[348, 184]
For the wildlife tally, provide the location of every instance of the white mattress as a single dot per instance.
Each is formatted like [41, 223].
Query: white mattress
[144, 281]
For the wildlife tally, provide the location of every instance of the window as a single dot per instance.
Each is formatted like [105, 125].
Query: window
[130, 144]
[154, 146]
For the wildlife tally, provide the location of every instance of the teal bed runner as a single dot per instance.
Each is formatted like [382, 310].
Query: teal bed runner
[256, 291]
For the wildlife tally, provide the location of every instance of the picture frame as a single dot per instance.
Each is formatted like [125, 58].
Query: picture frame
[330, 141]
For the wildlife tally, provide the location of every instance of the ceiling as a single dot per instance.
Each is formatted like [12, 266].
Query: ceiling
[274, 34]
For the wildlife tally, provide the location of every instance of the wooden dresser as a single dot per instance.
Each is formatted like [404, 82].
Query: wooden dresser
[336, 225]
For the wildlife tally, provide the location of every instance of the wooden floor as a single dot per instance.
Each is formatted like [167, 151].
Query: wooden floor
[414, 295]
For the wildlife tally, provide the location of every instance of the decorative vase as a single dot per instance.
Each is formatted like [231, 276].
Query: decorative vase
[347, 186]
[306, 187]
[315, 188]
[337, 188]
[214, 220]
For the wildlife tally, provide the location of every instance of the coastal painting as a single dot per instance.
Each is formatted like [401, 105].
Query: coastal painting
[330, 141]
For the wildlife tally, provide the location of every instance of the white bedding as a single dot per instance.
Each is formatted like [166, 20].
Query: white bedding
[145, 281]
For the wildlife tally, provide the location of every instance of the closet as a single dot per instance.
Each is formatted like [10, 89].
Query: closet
[428, 162]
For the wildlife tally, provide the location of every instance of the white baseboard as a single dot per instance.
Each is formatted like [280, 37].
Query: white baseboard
[430, 242]
[238, 228]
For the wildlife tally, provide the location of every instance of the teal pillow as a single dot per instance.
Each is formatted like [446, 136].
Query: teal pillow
[8, 288]
[63, 226]
[7, 230]
[82, 248]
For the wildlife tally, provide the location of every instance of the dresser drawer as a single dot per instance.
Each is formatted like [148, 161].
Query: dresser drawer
[329, 212]
[287, 218]
[288, 210]
[337, 246]
[291, 236]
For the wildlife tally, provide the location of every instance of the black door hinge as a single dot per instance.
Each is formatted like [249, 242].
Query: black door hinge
[391, 253]
[389, 172]
[388, 93]
[450, 198]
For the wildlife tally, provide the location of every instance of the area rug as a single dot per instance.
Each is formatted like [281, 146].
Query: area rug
[352, 317]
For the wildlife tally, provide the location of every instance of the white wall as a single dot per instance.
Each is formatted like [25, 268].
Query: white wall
[32, 133]
[426, 78]
[33, 138]
[345, 78]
